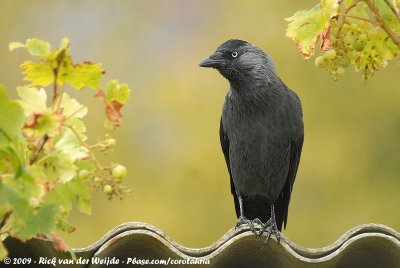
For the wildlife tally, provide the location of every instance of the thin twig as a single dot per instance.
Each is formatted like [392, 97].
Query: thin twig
[355, 2]
[383, 24]
[360, 18]
[59, 59]
[393, 9]
[42, 142]
[87, 146]
[57, 108]
[5, 218]
[74, 113]
[7, 230]
[45, 137]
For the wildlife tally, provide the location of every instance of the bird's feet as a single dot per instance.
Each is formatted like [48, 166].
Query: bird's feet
[271, 228]
[243, 220]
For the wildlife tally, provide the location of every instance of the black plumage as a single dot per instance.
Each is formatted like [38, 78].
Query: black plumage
[261, 133]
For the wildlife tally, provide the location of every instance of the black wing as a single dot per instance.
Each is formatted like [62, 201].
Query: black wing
[282, 204]
[225, 149]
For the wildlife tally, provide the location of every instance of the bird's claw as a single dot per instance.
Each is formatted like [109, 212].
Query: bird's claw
[243, 220]
[271, 228]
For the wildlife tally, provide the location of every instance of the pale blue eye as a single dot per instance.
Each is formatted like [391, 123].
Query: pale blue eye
[234, 54]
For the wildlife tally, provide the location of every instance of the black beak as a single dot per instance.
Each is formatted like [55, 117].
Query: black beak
[214, 61]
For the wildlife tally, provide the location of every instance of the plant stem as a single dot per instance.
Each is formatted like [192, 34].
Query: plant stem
[383, 24]
[5, 218]
[57, 108]
[355, 2]
[87, 146]
[45, 137]
[360, 18]
[59, 59]
[42, 142]
[393, 9]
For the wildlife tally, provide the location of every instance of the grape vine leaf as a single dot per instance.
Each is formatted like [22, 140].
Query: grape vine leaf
[32, 99]
[84, 75]
[57, 66]
[38, 73]
[387, 14]
[47, 122]
[65, 193]
[58, 167]
[117, 92]
[34, 46]
[11, 115]
[306, 26]
[39, 221]
[70, 145]
[3, 251]
[113, 110]
[72, 108]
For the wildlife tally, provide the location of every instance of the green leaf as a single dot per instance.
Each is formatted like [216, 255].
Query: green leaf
[46, 122]
[3, 251]
[15, 45]
[67, 192]
[83, 197]
[59, 167]
[32, 99]
[70, 145]
[306, 26]
[64, 43]
[11, 115]
[387, 14]
[38, 73]
[37, 47]
[116, 92]
[72, 108]
[84, 75]
[16, 203]
[4, 140]
[25, 185]
[41, 221]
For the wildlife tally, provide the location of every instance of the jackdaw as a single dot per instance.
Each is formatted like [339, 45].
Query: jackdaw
[261, 134]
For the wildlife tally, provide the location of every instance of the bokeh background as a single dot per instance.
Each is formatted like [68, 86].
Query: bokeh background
[350, 166]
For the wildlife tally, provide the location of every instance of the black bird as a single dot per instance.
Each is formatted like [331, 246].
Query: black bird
[261, 133]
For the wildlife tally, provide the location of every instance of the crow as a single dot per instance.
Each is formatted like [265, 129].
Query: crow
[261, 134]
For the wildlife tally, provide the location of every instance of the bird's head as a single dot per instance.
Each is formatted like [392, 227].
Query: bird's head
[240, 61]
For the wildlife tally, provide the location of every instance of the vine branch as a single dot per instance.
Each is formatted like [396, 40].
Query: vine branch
[346, 11]
[42, 142]
[87, 146]
[393, 9]
[360, 18]
[383, 24]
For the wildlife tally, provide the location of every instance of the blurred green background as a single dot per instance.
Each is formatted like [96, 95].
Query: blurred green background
[350, 167]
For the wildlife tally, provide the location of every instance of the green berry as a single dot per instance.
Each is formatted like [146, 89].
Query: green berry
[373, 34]
[340, 71]
[353, 54]
[84, 174]
[358, 45]
[346, 62]
[330, 54]
[319, 62]
[363, 37]
[349, 40]
[354, 27]
[118, 172]
[97, 179]
[107, 189]
[111, 142]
